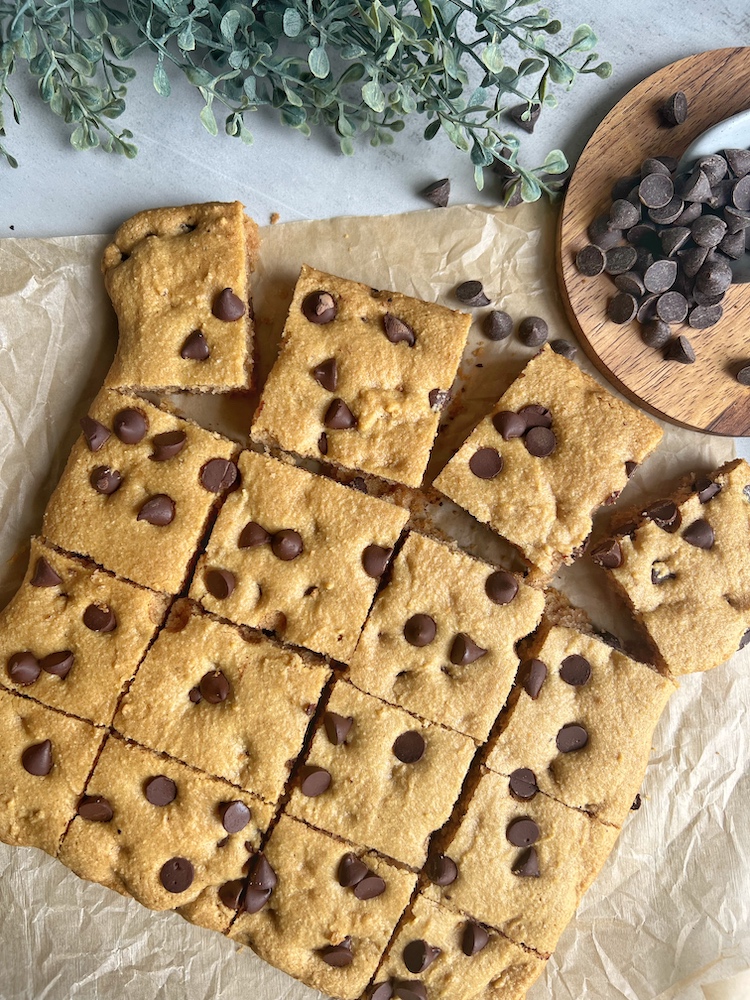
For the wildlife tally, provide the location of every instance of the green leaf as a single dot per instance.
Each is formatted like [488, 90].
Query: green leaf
[186, 38]
[560, 72]
[78, 63]
[347, 146]
[96, 20]
[208, 120]
[432, 129]
[479, 177]
[530, 188]
[373, 96]
[427, 11]
[555, 162]
[123, 74]
[229, 25]
[161, 81]
[292, 22]
[198, 77]
[318, 62]
[603, 70]
[583, 39]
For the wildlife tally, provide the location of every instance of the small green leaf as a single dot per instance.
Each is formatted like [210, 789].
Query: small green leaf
[161, 81]
[123, 74]
[432, 129]
[208, 120]
[427, 11]
[96, 20]
[530, 188]
[318, 62]
[347, 146]
[198, 77]
[555, 162]
[492, 57]
[292, 22]
[373, 96]
[603, 70]
[78, 137]
[560, 72]
[186, 38]
[479, 177]
[583, 39]
[229, 25]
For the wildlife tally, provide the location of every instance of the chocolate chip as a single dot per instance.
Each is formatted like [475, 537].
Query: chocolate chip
[382, 991]
[700, 318]
[58, 664]
[438, 399]
[522, 784]
[370, 887]
[575, 670]
[44, 575]
[630, 468]
[441, 870]
[23, 668]
[571, 737]
[540, 442]
[744, 640]
[636, 803]
[607, 554]
[486, 463]
[671, 307]
[195, 696]
[420, 630]
[409, 989]
[741, 194]
[337, 727]
[235, 815]
[733, 245]
[525, 116]
[157, 510]
[438, 192]
[130, 425]
[533, 331]
[665, 514]
[647, 309]
[498, 325]
[535, 415]
[590, 260]
[601, 235]
[339, 416]
[623, 214]
[700, 534]
[220, 583]
[375, 559]
[160, 790]
[251, 535]
[314, 780]
[659, 575]
[351, 870]
[656, 190]
[319, 307]
[509, 425]
[287, 544]
[681, 350]
[95, 434]
[471, 293]
[95, 808]
[522, 832]
[656, 334]
[564, 348]
[254, 900]
[337, 955]
[706, 488]
[620, 260]
[230, 893]
[673, 239]
[464, 650]
[708, 231]
[105, 480]
[195, 347]
[532, 675]
[527, 864]
[326, 374]
[501, 587]
[99, 619]
[262, 875]
[418, 956]
[622, 308]
[674, 111]
[738, 161]
[176, 875]
[227, 306]
[37, 759]
[398, 331]
[660, 276]
[473, 939]
[219, 475]
[167, 445]
[214, 687]
[409, 747]
[323, 443]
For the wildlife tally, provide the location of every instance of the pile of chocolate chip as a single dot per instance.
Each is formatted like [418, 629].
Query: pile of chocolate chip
[667, 241]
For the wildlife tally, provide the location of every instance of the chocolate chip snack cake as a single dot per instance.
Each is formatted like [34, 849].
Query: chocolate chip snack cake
[235, 687]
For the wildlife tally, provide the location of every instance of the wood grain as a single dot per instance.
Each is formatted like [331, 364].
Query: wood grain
[705, 395]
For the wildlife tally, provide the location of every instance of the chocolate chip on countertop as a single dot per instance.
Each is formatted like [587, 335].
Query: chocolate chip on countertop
[527, 864]
[532, 675]
[409, 747]
[522, 832]
[167, 445]
[214, 687]
[338, 416]
[498, 325]
[287, 544]
[95, 808]
[220, 583]
[607, 554]
[743, 375]
[158, 510]
[375, 559]
[441, 870]
[314, 781]
[99, 619]
[438, 192]
[130, 425]
[337, 727]
[227, 306]
[253, 534]
[486, 463]
[160, 790]
[195, 347]
[235, 815]
[23, 668]
[522, 784]
[700, 534]
[96, 435]
[674, 111]
[464, 650]
[105, 480]
[575, 670]
[44, 575]
[219, 475]
[509, 424]
[319, 307]
[471, 293]
[398, 331]
[571, 737]
[37, 759]
[501, 587]
[533, 331]
[176, 875]
[700, 318]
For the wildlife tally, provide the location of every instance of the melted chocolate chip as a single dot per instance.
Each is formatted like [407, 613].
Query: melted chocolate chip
[501, 587]
[105, 480]
[339, 417]
[314, 781]
[130, 425]
[575, 670]
[571, 738]
[23, 668]
[464, 650]
[58, 664]
[337, 727]
[287, 544]
[418, 956]
[351, 870]
[700, 534]
[337, 955]
[441, 870]
[607, 554]
[438, 399]
[706, 488]
[230, 893]
[486, 463]
[522, 784]
[522, 832]
[473, 939]
[398, 331]
[160, 790]
[509, 424]
[235, 815]
[370, 887]
[375, 559]
[540, 442]
[220, 583]
[665, 515]
[535, 415]
[176, 875]
[214, 687]
[251, 535]
[527, 864]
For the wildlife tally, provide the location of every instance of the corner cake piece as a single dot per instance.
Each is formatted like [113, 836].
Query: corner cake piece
[581, 723]
[232, 703]
[73, 635]
[522, 860]
[320, 909]
[378, 776]
[151, 828]
[453, 956]
[297, 554]
[684, 569]
[138, 490]
[178, 279]
[45, 758]
[440, 639]
[361, 377]
[554, 448]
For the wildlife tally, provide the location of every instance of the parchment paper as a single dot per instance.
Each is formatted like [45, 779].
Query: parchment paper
[668, 918]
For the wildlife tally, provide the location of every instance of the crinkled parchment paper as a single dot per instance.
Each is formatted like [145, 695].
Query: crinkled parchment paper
[669, 916]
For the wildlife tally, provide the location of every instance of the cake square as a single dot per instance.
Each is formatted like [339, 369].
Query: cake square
[527, 887]
[685, 571]
[45, 758]
[583, 719]
[438, 643]
[361, 377]
[234, 704]
[378, 776]
[151, 828]
[73, 635]
[179, 281]
[138, 490]
[329, 935]
[554, 448]
[297, 554]
[453, 956]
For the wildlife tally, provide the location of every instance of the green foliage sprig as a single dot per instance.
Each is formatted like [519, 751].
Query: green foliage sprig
[356, 67]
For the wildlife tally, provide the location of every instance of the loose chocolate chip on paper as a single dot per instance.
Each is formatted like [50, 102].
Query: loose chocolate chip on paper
[571, 737]
[339, 416]
[95, 808]
[227, 306]
[471, 293]
[532, 675]
[95, 434]
[398, 331]
[195, 347]
[575, 670]
[501, 587]
[130, 425]
[176, 875]
[700, 534]
[351, 870]
[160, 790]
[527, 864]
[287, 544]
[253, 534]
[337, 955]
[420, 630]
[622, 308]
[498, 325]
[230, 893]
[235, 815]
[214, 687]
[44, 575]
[167, 445]
[522, 784]
[486, 463]
[58, 664]
[607, 554]
[99, 619]
[23, 668]
[419, 955]
[438, 192]
[37, 759]
[522, 832]
[533, 331]
[681, 350]
[319, 307]
[105, 480]
[540, 442]
[464, 650]
[509, 424]
[564, 348]
[219, 475]
[337, 727]
[438, 399]
[409, 747]
[370, 887]
[375, 559]
[674, 111]
[473, 939]
[220, 583]
[314, 781]
[441, 870]
[158, 510]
